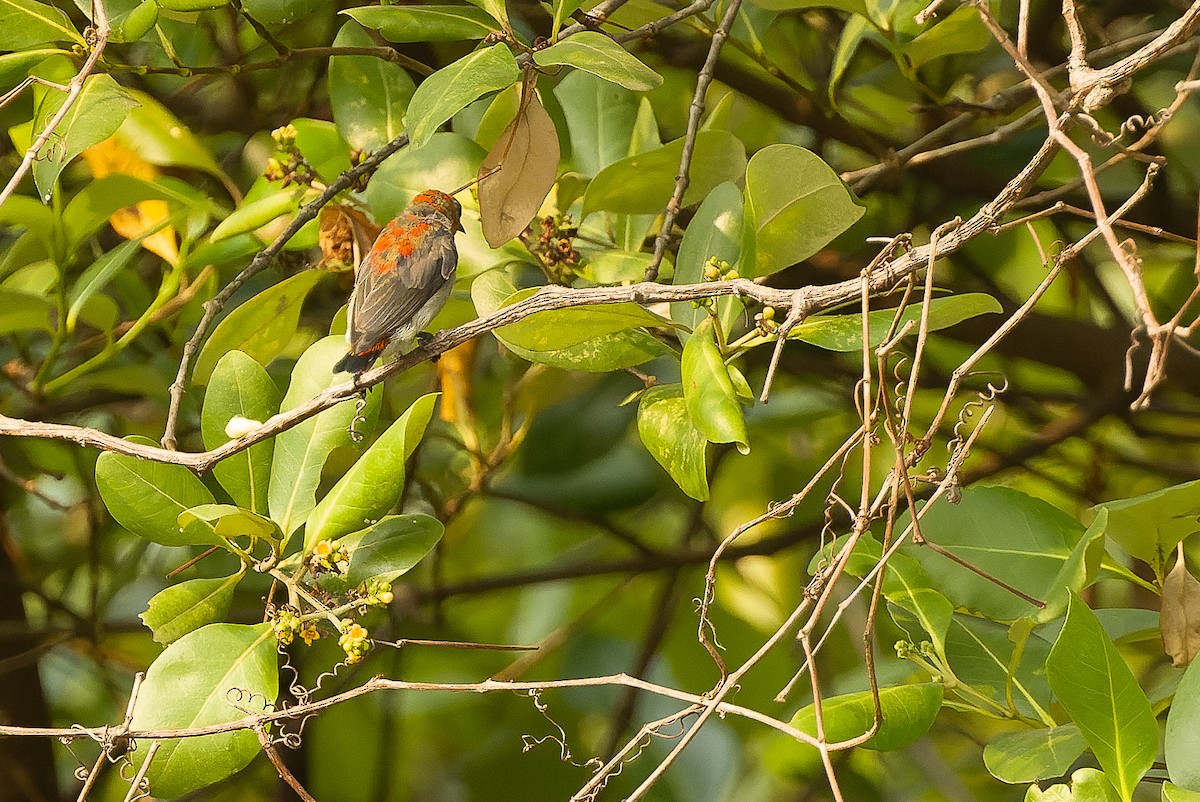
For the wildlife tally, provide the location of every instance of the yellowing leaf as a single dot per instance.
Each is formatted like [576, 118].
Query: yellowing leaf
[525, 161]
[110, 156]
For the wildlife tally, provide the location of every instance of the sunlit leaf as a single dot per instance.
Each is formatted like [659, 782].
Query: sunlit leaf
[301, 451]
[793, 218]
[672, 439]
[96, 114]
[1103, 697]
[374, 484]
[1027, 756]
[186, 607]
[907, 712]
[708, 390]
[367, 94]
[148, 497]
[432, 23]
[598, 54]
[25, 23]
[240, 387]
[450, 89]
[196, 682]
[261, 327]
[643, 184]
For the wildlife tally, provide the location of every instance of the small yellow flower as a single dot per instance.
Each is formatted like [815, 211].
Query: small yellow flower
[310, 633]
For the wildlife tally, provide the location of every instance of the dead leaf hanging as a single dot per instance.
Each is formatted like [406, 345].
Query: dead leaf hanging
[525, 164]
[1180, 617]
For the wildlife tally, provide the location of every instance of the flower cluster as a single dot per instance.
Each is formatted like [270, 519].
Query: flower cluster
[329, 559]
[288, 164]
[287, 623]
[354, 641]
[375, 592]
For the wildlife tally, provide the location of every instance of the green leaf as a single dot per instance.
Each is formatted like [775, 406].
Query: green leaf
[1027, 756]
[425, 23]
[367, 94]
[300, 452]
[596, 53]
[1087, 785]
[853, 6]
[147, 497]
[981, 653]
[376, 481]
[96, 114]
[556, 329]
[844, 332]
[184, 608]
[1149, 526]
[154, 133]
[907, 712]
[1182, 742]
[135, 23]
[22, 311]
[284, 12]
[643, 184]
[93, 205]
[261, 327]
[450, 89]
[715, 232]
[240, 387]
[388, 549]
[219, 524]
[1103, 697]
[26, 23]
[1173, 793]
[711, 402]
[15, 67]
[672, 439]
[961, 31]
[495, 9]
[98, 275]
[1016, 538]
[257, 213]
[793, 219]
[600, 354]
[600, 118]
[195, 682]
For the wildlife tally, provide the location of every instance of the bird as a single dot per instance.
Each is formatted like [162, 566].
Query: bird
[404, 281]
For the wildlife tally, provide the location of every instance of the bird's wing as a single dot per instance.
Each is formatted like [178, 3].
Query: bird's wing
[409, 263]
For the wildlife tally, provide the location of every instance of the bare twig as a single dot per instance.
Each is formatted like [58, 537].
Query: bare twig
[703, 79]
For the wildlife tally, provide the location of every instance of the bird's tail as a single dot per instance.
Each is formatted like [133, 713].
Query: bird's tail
[355, 363]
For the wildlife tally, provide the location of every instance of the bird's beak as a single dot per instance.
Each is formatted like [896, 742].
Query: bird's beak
[458, 226]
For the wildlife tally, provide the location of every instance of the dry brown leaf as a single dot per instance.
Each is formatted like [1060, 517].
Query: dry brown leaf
[110, 156]
[1180, 615]
[525, 160]
[345, 236]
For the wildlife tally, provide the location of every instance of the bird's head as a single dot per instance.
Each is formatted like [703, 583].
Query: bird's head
[434, 202]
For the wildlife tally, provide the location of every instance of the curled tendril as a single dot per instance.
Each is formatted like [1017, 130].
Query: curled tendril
[359, 418]
[1132, 126]
[564, 752]
[248, 702]
[985, 396]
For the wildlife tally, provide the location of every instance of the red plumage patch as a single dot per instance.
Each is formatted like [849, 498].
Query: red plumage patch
[398, 242]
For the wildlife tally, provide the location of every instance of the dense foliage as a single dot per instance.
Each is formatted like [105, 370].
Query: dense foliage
[814, 415]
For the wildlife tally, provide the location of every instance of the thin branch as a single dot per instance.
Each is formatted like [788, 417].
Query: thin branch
[703, 79]
[101, 31]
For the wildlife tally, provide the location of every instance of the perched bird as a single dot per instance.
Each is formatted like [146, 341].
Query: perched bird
[404, 281]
